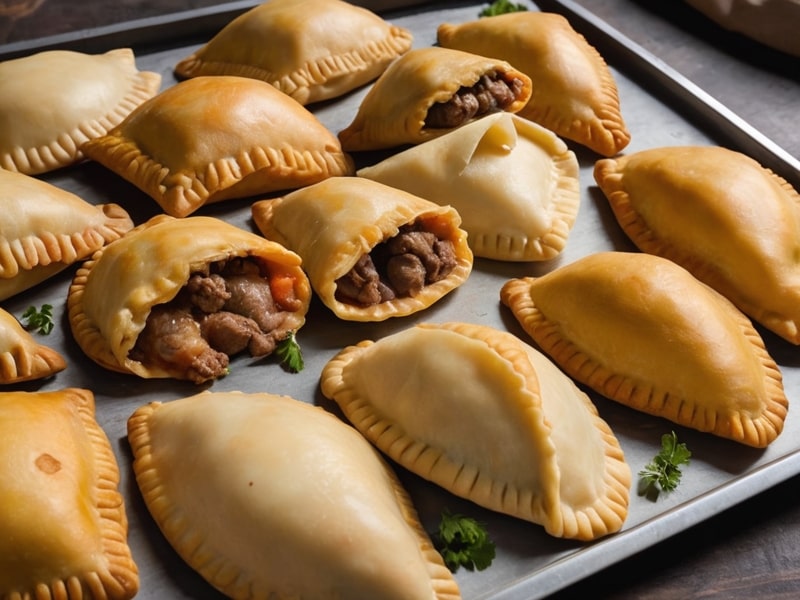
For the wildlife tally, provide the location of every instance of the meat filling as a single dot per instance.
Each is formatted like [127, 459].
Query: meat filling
[226, 310]
[398, 267]
[490, 94]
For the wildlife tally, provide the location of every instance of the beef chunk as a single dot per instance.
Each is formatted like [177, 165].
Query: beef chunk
[362, 284]
[207, 292]
[232, 333]
[489, 94]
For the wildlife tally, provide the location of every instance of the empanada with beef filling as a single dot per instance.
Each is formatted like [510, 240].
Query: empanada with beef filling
[427, 92]
[371, 251]
[44, 230]
[574, 93]
[281, 499]
[52, 102]
[489, 418]
[63, 525]
[210, 139]
[731, 222]
[22, 357]
[513, 182]
[312, 50]
[178, 297]
[641, 330]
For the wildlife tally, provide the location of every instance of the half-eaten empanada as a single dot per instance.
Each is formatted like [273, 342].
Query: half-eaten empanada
[281, 499]
[178, 297]
[209, 139]
[427, 92]
[22, 358]
[641, 330]
[371, 251]
[63, 525]
[489, 418]
[514, 183]
[54, 101]
[312, 50]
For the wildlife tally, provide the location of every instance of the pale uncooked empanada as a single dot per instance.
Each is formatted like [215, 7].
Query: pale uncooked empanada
[54, 101]
[489, 418]
[177, 297]
[371, 251]
[574, 93]
[514, 183]
[215, 138]
[427, 92]
[22, 357]
[281, 499]
[44, 229]
[641, 330]
[312, 50]
[732, 223]
[63, 525]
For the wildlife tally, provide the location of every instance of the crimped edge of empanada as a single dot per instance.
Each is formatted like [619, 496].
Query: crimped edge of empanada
[22, 358]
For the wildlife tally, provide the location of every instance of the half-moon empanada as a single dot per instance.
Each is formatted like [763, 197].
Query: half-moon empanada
[177, 297]
[215, 138]
[281, 499]
[54, 101]
[514, 183]
[732, 223]
[371, 251]
[22, 358]
[44, 229]
[312, 50]
[63, 525]
[489, 418]
[574, 93]
[641, 330]
[427, 92]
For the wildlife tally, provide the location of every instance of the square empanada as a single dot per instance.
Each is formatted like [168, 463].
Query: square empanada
[22, 357]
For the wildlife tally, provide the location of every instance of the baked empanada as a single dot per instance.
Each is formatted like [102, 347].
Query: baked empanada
[215, 138]
[63, 525]
[514, 184]
[370, 251]
[732, 223]
[177, 297]
[54, 101]
[489, 418]
[270, 497]
[427, 92]
[22, 358]
[574, 93]
[641, 330]
[44, 229]
[312, 50]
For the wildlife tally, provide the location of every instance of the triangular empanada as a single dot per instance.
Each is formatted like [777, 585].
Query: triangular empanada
[22, 358]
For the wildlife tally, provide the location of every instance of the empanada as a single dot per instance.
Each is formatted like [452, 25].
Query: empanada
[23, 358]
[429, 91]
[312, 50]
[44, 229]
[371, 251]
[215, 138]
[489, 418]
[177, 297]
[641, 330]
[54, 101]
[574, 93]
[270, 497]
[63, 525]
[514, 184]
[732, 223]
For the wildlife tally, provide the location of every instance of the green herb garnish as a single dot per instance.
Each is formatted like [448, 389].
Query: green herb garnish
[40, 321]
[463, 542]
[663, 473]
[288, 350]
[500, 7]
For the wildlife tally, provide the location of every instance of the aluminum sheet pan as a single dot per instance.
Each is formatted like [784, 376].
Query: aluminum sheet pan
[530, 564]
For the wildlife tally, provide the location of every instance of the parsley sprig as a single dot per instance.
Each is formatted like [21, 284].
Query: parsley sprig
[463, 542]
[663, 473]
[499, 7]
[40, 321]
[288, 350]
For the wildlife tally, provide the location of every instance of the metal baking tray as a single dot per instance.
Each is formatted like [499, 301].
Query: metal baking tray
[660, 108]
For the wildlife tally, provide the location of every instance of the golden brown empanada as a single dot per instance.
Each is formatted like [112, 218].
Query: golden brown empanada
[281, 499]
[312, 50]
[514, 184]
[641, 330]
[574, 93]
[54, 101]
[371, 251]
[427, 92]
[177, 297]
[63, 526]
[22, 358]
[44, 229]
[489, 418]
[732, 223]
[216, 138]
